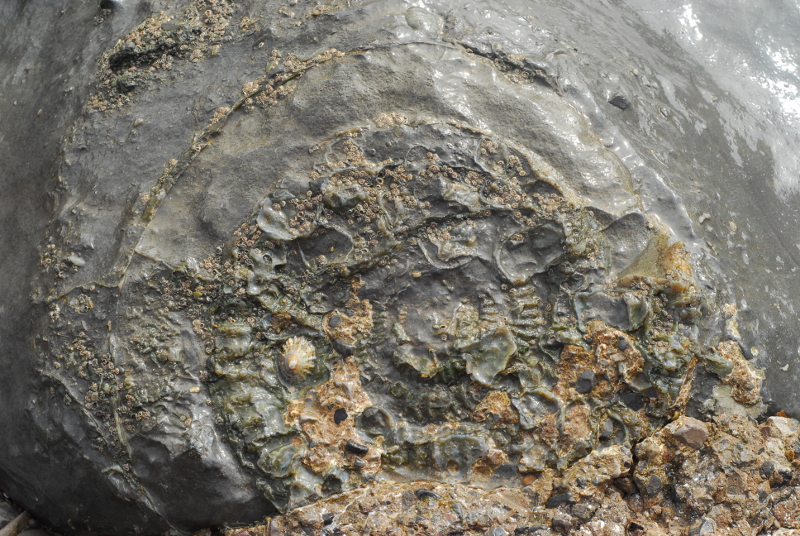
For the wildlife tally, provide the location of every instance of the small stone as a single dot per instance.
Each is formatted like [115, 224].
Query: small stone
[170, 26]
[653, 485]
[340, 415]
[497, 531]
[557, 500]
[356, 448]
[407, 499]
[586, 382]
[507, 470]
[623, 344]
[766, 469]
[562, 524]
[583, 512]
[358, 463]
[126, 83]
[7, 512]
[426, 494]
[704, 527]
[786, 478]
[607, 429]
[619, 100]
[16, 525]
[275, 529]
[342, 347]
[692, 433]
[459, 510]
[626, 485]
[634, 401]
[327, 518]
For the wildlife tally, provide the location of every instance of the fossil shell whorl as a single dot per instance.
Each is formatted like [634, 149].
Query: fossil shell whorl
[296, 359]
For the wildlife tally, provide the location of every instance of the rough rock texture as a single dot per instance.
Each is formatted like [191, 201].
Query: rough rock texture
[360, 263]
[743, 481]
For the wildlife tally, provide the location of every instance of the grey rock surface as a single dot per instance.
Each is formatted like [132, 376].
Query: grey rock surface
[127, 162]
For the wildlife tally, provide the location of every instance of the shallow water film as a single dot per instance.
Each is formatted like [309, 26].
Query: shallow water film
[372, 267]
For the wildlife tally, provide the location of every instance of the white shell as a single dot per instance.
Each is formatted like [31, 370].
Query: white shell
[296, 359]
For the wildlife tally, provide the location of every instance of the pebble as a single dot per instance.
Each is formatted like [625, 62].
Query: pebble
[7, 512]
[426, 494]
[634, 401]
[692, 433]
[653, 485]
[356, 448]
[586, 382]
[459, 510]
[16, 525]
[607, 430]
[340, 415]
[704, 527]
[557, 500]
[562, 523]
[619, 100]
[583, 512]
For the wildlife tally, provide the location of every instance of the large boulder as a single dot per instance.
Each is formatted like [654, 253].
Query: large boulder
[260, 254]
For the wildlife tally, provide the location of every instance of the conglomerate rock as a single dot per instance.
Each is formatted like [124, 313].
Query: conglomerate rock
[388, 275]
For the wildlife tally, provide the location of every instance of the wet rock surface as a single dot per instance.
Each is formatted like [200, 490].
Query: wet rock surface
[679, 489]
[366, 268]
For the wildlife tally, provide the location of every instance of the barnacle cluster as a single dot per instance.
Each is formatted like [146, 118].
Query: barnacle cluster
[154, 45]
[435, 303]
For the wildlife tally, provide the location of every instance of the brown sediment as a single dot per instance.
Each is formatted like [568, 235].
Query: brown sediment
[738, 481]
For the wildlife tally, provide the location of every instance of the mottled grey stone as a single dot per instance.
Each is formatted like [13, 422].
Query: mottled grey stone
[705, 155]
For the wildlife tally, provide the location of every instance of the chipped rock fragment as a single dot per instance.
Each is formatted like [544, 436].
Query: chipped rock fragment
[691, 432]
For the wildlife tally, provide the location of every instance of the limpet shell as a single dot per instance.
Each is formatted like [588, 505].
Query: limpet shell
[296, 359]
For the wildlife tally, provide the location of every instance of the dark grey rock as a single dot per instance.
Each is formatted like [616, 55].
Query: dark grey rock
[653, 485]
[340, 415]
[633, 400]
[620, 101]
[423, 494]
[74, 179]
[585, 382]
[562, 523]
[37, 532]
[356, 448]
[559, 500]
